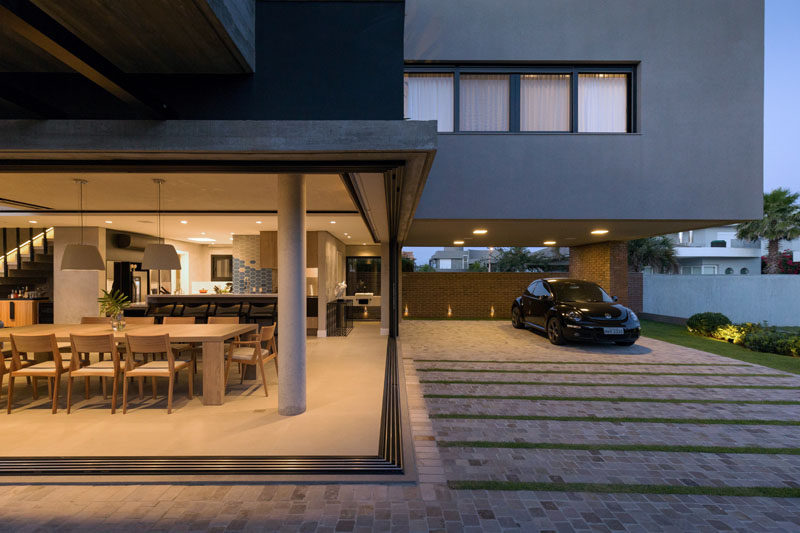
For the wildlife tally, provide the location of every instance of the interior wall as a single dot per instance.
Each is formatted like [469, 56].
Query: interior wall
[370, 250]
[331, 255]
[75, 293]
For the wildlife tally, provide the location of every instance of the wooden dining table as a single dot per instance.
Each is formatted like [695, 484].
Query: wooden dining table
[212, 337]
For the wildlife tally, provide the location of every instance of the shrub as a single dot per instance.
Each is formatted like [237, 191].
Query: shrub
[735, 333]
[773, 341]
[706, 323]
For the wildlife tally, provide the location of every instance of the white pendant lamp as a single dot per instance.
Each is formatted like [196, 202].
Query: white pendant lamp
[160, 256]
[82, 256]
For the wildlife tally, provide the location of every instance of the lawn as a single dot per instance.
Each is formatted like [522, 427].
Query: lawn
[679, 335]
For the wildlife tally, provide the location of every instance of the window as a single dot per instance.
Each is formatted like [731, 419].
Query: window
[483, 102]
[686, 237]
[429, 97]
[364, 275]
[540, 290]
[532, 286]
[744, 271]
[728, 271]
[603, 103]
[689, 270]
[709, 269]
[544, 102]
[221, 268]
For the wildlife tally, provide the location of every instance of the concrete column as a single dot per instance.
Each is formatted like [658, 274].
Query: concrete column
[75, 292]
[605, 263]
[385, 288]
[292, 294]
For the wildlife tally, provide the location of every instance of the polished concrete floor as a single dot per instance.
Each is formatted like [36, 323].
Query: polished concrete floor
[345, 387]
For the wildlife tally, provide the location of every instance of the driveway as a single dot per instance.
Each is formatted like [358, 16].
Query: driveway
[643, 438]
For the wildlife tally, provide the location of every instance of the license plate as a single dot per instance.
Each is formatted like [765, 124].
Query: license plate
[613, 331]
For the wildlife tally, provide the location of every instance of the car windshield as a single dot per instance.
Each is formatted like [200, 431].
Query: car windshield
[579, 291]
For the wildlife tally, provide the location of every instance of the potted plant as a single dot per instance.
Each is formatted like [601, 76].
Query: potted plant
[113, 304]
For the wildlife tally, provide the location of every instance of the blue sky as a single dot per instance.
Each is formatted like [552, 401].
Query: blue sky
[781, 101]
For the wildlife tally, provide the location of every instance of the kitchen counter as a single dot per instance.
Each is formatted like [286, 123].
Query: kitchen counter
[15, 312]
[311, 301]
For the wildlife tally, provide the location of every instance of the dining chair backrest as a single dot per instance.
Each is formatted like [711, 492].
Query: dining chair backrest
[140, 320]
[32, 344]
[95, 320]
[267, 334]
[145, 344]
[223, 320]
[178, 320]
[85, 344]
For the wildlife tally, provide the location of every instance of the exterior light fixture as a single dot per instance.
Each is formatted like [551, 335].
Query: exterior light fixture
[449, 311]
[491, 312]
[458, 243]
[160, 256]
[549, 243]
[599, 231]
[480, 231]
[405, 311]
[82, 256]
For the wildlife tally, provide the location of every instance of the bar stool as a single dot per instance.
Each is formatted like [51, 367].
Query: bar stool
[199, 311]
[159, 311]
[227, 310]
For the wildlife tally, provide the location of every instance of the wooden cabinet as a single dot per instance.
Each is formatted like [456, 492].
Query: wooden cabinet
[16, 313]
[269, 249]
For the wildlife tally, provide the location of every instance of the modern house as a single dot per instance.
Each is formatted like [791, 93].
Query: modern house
[307, 142]
[716, 251]
[458, 258]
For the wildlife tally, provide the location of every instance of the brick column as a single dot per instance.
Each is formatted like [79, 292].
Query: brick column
[605, 263]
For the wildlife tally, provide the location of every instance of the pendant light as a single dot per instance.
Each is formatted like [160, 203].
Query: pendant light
[160, 256]
[82, 256]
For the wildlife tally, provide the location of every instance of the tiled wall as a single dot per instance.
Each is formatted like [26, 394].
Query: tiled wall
[247, 264]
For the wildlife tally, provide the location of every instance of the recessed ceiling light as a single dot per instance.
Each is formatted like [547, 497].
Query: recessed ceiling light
[364, 244]
[349, 237]
[599, 231]
[480, 231]
[458, 242]
[202, 233]
[201, 239]
[231, 233]
[333, 222]
[33, 221]
[258, 222]
[108, 222]
[549, 243]
[184, 221]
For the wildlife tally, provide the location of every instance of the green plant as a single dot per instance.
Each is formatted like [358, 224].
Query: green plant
[113, 303]
[655, 252]
[771, 340]
[706, 323]
[781, 221]
[735, 333]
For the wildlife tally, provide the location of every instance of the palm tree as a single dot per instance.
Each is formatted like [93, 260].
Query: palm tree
[781, 221]
[656, 252]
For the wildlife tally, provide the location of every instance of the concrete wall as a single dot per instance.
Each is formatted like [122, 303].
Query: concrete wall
[75, 293]
[774, 298]
[698, 151]
[468, 294]
[331, 265]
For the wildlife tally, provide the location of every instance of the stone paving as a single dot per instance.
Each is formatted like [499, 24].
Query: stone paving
[431, 506]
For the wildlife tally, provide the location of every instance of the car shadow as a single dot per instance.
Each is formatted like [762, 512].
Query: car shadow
[595, 347]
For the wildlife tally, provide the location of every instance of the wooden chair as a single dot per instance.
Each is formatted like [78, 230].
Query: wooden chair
[5, 364]
[250, 352]
[140, 320]
[95, 320]
[101, 344]
[183, 347]
[154, 369]
[51, 370]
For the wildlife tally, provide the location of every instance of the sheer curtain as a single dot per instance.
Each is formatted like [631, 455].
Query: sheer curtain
[603, 103]
[483, 102]
[544, 102]
[430, 97]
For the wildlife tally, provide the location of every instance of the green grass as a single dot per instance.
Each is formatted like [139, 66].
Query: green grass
[680, 336]
[653, 420]
[623, 399]
[501, 371]
[616, 447]
[622, 488]
[581, 384]
[501, 362]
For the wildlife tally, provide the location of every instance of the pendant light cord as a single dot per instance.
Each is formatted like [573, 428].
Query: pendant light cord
[81, 193]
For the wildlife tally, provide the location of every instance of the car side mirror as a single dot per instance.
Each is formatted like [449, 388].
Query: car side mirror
[614, 298]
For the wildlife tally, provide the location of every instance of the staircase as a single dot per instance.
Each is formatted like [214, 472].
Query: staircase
[27, 258]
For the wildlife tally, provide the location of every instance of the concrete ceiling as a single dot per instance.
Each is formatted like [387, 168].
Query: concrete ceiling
[438, 232]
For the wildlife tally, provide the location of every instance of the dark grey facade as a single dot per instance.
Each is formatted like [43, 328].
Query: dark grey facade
[695, 154]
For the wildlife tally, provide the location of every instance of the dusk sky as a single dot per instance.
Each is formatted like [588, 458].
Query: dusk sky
[781, 102]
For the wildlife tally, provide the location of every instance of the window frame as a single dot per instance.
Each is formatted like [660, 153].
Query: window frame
[514, 101]
[215, 276]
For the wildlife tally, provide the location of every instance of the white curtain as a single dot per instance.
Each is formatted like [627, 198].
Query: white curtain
[430, 97]
[483, 102]
[602, 103]
[544, 102]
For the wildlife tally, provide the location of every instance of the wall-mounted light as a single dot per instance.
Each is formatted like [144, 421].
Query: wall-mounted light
[491, 312]
[599, 231]
[405, 311]
[449, 311]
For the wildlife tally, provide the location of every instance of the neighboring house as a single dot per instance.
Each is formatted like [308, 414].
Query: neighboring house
[716, 251]
[458, 259]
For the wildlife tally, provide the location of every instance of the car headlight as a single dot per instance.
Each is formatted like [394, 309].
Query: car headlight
[574, 315]
[633, 316]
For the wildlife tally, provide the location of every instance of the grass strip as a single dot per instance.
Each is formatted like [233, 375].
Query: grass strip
[624, 488]
[653, 420]
[581, 384]
[620, 373]
[572, 362]
[610, 399]
[616, 447]
[680, 336]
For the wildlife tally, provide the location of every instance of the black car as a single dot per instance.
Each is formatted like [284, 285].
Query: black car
[573, 309]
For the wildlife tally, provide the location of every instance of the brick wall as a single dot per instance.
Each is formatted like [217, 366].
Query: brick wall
[605, 263]
[635, 291]
[469, 294]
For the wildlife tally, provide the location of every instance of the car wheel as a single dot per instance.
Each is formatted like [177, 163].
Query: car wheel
[554, 333]
[624, 343]
[516, 318]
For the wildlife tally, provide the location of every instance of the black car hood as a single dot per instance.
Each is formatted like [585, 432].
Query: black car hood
[599, 310]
